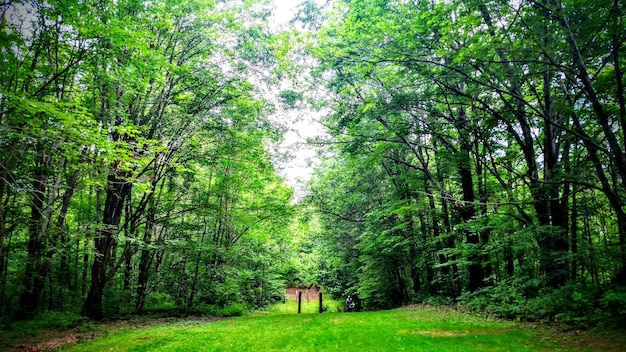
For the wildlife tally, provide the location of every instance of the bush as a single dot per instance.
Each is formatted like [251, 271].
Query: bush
[575, 305]
[50, 320]
[613, 303]
[159, 302]
[572, 305]
[231, 310]
[59, 320]
[506, 300]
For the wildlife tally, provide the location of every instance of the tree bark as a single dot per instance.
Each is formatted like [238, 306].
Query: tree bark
[117, 191]
[145, 260]
[467, 209]
[37, 265]
[556, 239]
[61, 234]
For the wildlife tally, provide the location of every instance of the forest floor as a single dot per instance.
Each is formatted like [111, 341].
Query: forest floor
[584, 340]
[56, 339]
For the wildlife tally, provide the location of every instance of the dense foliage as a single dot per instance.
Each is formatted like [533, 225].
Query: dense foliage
[478, 155]
[475, 154]
[134, 168]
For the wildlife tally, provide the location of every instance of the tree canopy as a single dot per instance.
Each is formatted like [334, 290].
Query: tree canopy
[475, 152]
[478, 153]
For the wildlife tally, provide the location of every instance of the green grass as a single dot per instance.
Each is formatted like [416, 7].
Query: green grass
[424, 329]
[310, 306]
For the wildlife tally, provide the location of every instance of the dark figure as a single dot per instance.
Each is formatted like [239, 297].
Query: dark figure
[349, 304]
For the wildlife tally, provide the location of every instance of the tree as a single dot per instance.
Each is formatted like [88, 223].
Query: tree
[112, 112]
[495, 122]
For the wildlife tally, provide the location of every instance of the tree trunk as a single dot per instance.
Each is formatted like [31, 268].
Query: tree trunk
[549, 239]
[483, 196]
[415, 272]
[428, 263]
[452, 276]
[556, 244]
[64, 242]
[145, 260]
[612, 196]
[118, 189]
[468, 209]
[3, 175]
[37, 266]
[574, 234]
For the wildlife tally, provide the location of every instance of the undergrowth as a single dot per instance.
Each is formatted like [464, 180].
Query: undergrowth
[578, 306]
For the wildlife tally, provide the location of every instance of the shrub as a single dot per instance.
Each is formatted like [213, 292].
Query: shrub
[231, 310]
[506, 300]
[575, 305]
[59, 320]
[613, 303]
[50, 320]
[567, 305]
[159, 302]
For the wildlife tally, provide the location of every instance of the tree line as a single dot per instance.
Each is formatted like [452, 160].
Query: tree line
[478, 154]
[475, 154]
[135, 168]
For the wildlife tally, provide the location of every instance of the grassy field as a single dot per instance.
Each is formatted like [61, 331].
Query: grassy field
[307, 306]
[281, 329]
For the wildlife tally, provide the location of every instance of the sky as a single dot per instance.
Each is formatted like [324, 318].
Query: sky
[303, 123]
[285, 9]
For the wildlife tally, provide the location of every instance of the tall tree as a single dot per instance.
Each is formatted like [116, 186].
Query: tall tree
[500, 109]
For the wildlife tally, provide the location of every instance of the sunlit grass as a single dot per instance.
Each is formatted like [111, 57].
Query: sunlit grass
[311, 305]
[426, 329]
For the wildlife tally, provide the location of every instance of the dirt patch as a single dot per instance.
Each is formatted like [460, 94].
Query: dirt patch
[437, 333]
[416, 306]
[54, 340]
[588, 340]
[448, 333]
[54, 344]
[566, 337]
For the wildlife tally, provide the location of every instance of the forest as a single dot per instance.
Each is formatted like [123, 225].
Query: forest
[473, 154]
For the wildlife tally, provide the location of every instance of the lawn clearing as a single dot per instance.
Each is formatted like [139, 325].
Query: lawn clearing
[290, 306]
[420, 329]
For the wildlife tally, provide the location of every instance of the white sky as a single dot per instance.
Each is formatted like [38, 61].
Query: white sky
[285, 9]
[303, 123]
